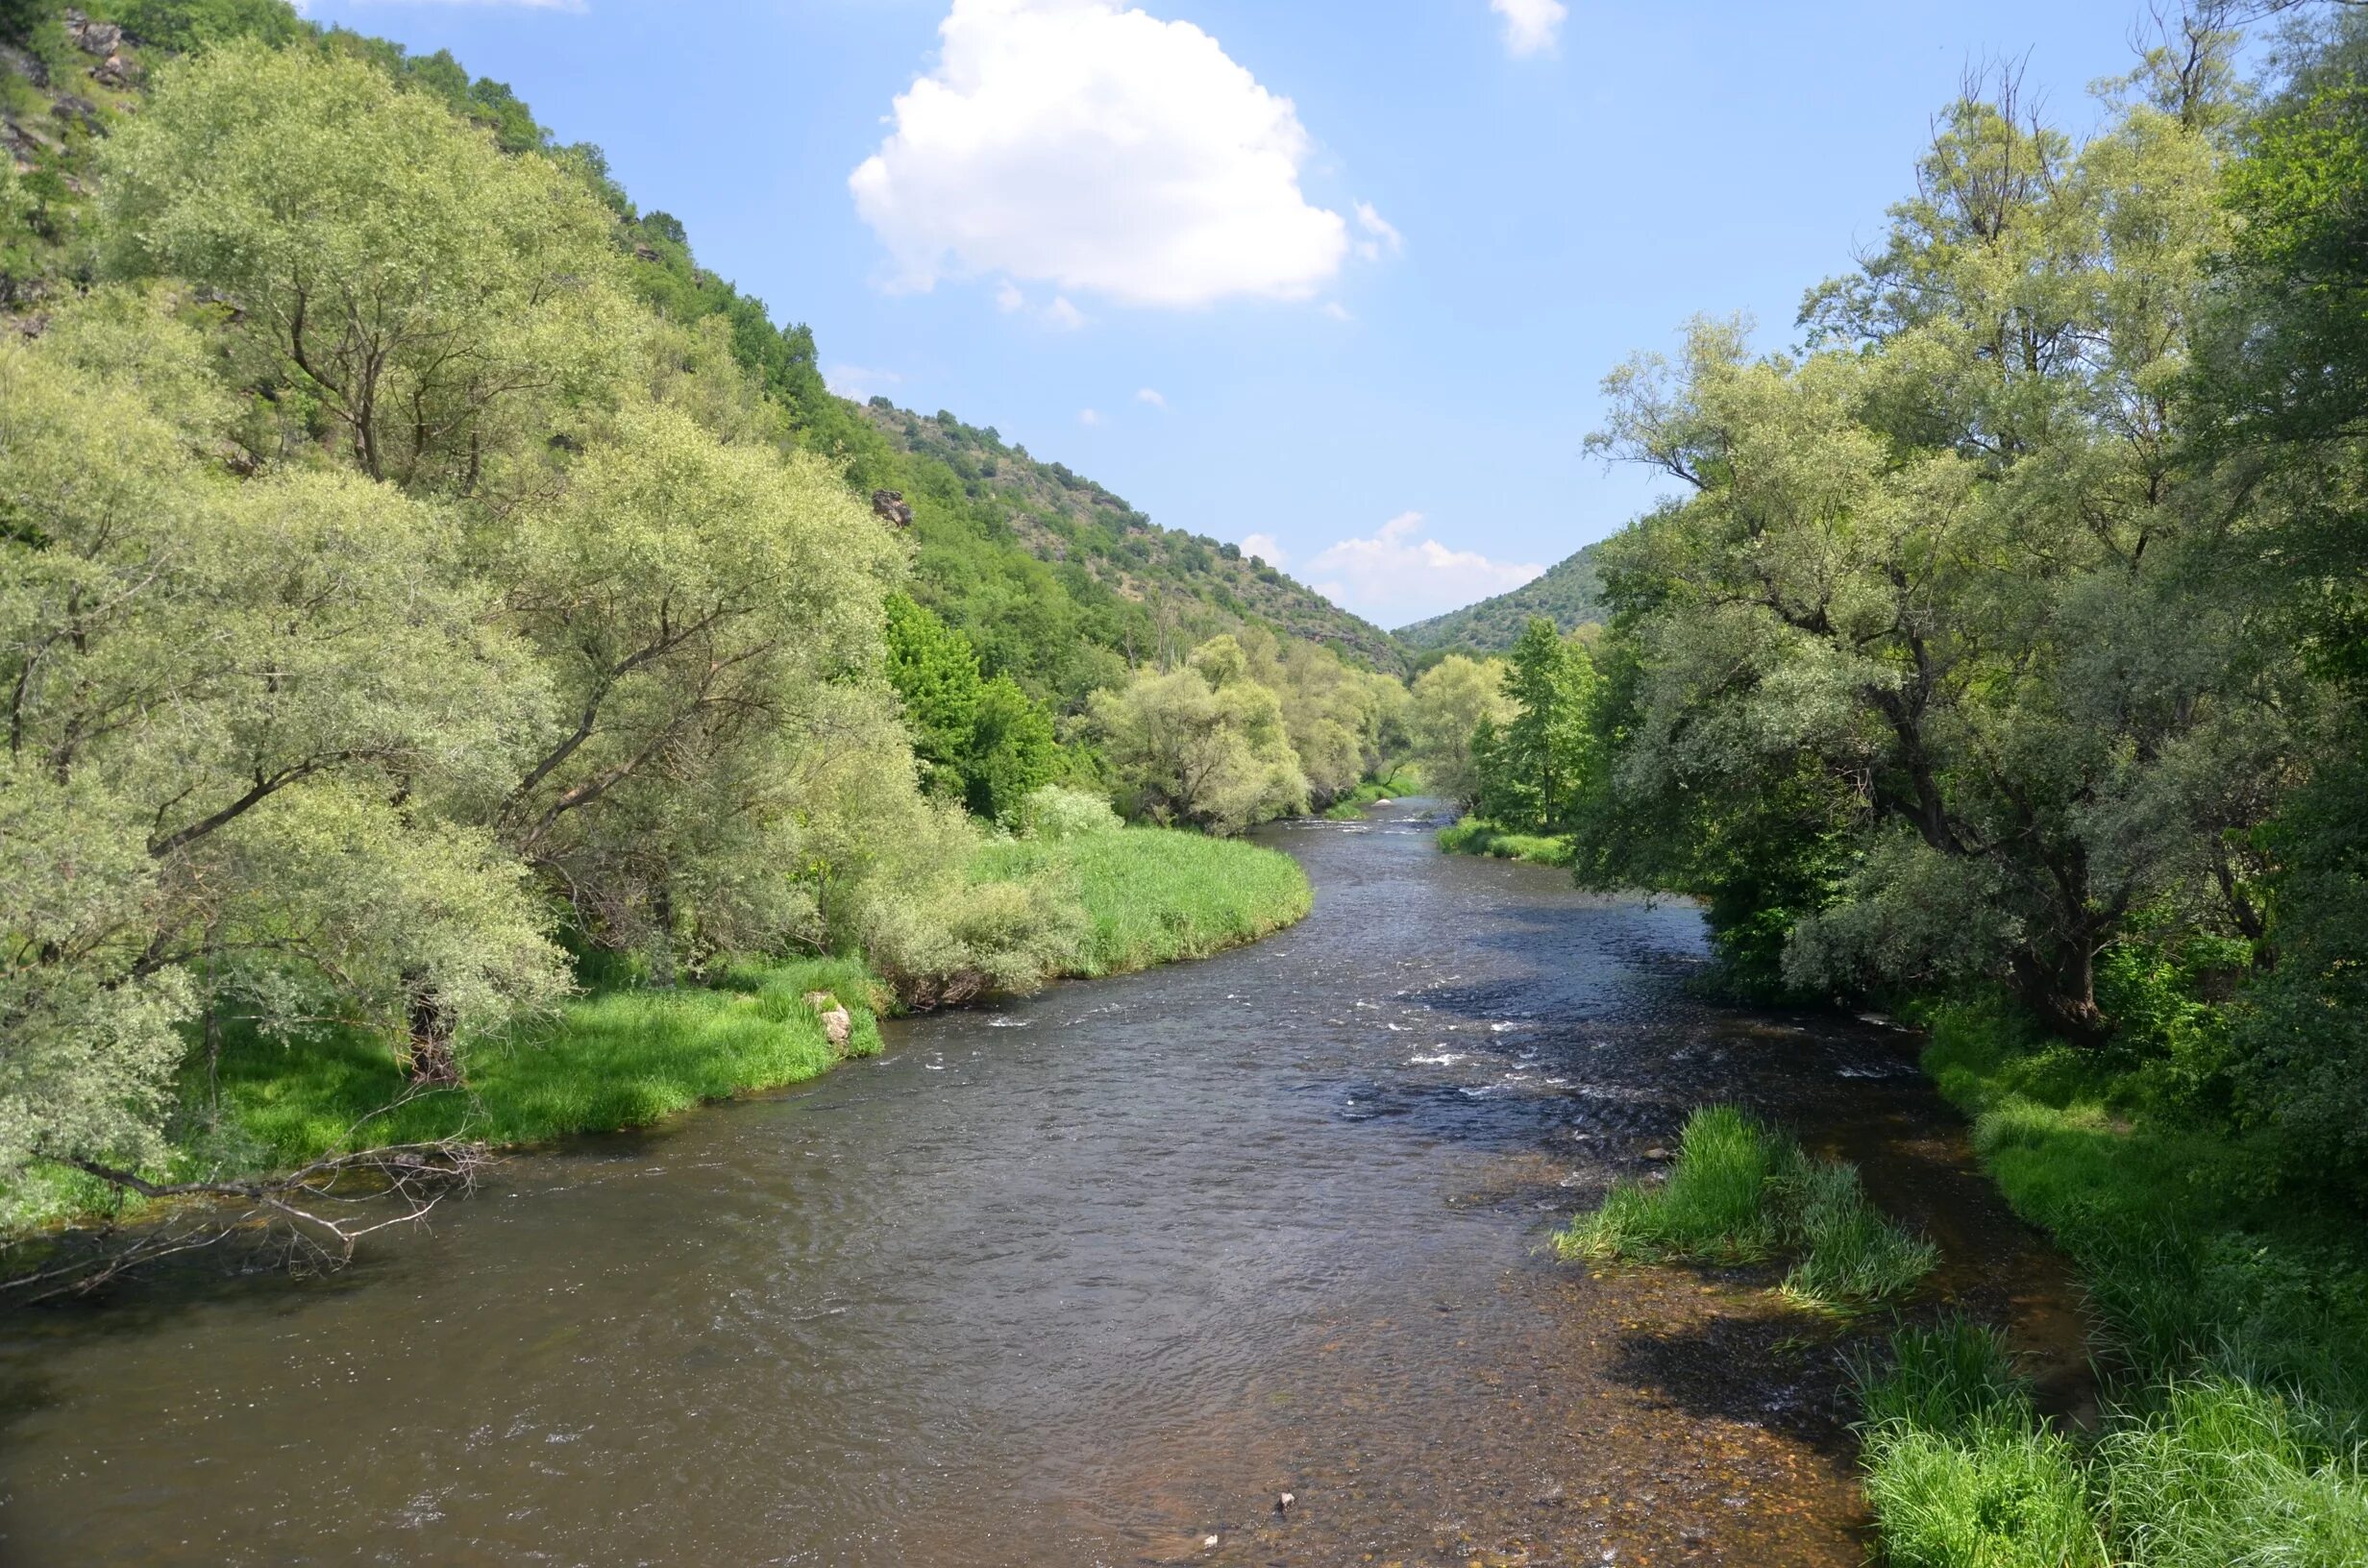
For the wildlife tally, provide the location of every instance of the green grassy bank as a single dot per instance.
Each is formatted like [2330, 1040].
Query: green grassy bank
[622, 1056]
[1740, 1192]
[1153, 896]
[2233, 1330]
[1474, 837]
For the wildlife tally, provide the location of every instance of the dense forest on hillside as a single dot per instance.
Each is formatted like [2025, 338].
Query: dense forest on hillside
[1569, 595]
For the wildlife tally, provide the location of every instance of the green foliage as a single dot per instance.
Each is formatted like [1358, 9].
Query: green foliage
[1449, 702]
[1739, 1192]
[1473, 836]
[1538, 761]
[1153, 896]
[1203, 745]
[184, 26]
[985, 743]
[427, 297]
[1056, 813]
[1960, 1470]
[2238, 1387]
[1569, 595]
[1715, 1206]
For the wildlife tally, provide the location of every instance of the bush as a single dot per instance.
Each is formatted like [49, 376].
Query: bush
[1055, 813]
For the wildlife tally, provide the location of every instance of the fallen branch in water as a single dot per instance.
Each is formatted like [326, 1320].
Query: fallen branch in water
[296, 1212]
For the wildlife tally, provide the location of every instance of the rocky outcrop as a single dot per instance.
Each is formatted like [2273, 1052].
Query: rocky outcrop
[101, 38]
[26, 63]
[889, 506]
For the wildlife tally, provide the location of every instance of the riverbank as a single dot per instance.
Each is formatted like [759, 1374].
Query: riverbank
[1473, 836]
[2228, 1325]
[626, 1056]
[2232, 1327]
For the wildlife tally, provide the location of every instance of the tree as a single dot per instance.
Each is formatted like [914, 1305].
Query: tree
[232, 712]
[1200, 745]
[935, 670]
[1936, 571]
[1450, 703]
[1539, 755]
[415, 288]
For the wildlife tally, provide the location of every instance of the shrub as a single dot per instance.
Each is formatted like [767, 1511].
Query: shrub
[1055, 813]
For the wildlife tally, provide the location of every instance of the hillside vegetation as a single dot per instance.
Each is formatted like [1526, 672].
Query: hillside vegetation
[1571, 595]
[462, 677]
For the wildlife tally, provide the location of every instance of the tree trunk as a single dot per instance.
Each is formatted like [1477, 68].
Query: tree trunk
[2062, 994]
[432, 1060]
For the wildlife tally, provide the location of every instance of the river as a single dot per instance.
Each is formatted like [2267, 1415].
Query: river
[1086, 1279]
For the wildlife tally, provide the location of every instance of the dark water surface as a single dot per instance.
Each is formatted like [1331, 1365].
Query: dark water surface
[1085, 1279]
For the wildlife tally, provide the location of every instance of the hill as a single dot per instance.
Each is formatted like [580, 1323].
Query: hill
[1571, 595]
[1180, 587]
[1057, 581]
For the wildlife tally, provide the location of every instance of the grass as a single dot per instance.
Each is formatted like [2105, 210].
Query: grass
[1473, 837]
[1960, 1470]
[1155, 896]
[1401, 779]
[1739, 1192]
[624, 1056]
[2233, 1339]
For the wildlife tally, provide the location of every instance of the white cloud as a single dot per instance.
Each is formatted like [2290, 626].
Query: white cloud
[856, 383]
[1396, 575]
[1265, 546]
[1089, 417]
[1062, 314]
[1337, 311]
[1008, 298]
[1532, 27]
[1152, 396]
[1381, 235]
[1099, 150]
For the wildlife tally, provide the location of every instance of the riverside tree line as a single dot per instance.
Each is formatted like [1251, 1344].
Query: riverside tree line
[408, 609]
[2010, 631]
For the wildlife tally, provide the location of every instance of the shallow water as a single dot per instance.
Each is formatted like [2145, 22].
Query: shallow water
[1088, 1279]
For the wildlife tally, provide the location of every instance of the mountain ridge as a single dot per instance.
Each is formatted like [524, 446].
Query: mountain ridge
[1569, 593]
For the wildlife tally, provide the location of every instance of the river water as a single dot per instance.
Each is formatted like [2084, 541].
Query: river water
[1088, 1279]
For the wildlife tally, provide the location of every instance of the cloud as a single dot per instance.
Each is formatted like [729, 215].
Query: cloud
[1062, 314]
[1265, 546]
[1381, 235]
[1008, 298]
[856, 383]
[1532, 27]
[1152, 396]
[1337, 311]
[1099, 150]
[1089, 417]
[1396, 575]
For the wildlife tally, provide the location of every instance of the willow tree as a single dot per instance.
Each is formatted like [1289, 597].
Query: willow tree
[399, 279]
[1940, 563]
[1203, 745]
[228, 706]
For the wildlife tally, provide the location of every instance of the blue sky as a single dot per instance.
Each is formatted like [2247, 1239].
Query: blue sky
[1338, 277]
